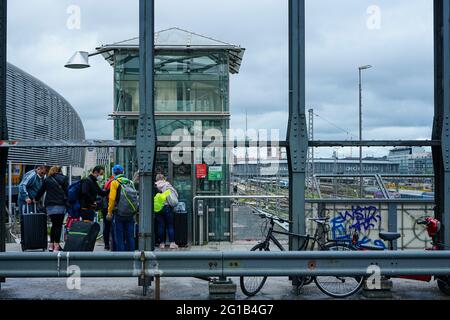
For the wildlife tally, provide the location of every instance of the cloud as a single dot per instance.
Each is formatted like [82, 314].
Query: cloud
[398, 91]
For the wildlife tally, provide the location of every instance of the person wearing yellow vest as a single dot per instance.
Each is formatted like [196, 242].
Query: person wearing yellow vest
[164, 212]
[123, 227]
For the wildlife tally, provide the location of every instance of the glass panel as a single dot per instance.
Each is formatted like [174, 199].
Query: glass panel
[190, 96]
[184, 82]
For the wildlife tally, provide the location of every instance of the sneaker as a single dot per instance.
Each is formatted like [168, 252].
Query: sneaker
[51, 247]
[57, 248]
[162, 245]
[173, 245]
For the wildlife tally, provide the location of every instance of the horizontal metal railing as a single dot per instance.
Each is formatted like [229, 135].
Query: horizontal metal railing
[233, 143]
[223, 264]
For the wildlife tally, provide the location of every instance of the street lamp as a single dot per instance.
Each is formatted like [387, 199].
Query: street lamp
[361, 68]
[80, 60]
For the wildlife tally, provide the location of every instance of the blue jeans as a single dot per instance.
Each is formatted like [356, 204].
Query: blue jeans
[123, 230]
[164, 219]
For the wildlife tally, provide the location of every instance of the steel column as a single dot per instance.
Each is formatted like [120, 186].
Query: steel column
[441, 125]
[3, 125]
[10, 207]
[146, 135]
[392, 220]
[297, 137]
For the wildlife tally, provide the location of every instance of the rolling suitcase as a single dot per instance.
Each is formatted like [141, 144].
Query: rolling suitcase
[181, 225]
[35, 229]
[82, 236]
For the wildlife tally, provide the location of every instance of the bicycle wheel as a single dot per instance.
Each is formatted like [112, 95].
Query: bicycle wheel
[444, 285]
[339, 287]
[250, 286]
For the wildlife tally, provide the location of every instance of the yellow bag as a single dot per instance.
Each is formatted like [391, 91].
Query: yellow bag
[159, 200]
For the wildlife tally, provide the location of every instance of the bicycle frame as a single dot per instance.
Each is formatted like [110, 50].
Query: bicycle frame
[307, 238]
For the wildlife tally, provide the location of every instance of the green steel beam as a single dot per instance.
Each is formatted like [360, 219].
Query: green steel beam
[297, 138]
[3, 124]
[165, 142]
[146, 133]
[441, 124]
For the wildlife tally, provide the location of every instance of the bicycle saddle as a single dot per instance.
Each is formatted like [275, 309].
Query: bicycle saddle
[389, 236]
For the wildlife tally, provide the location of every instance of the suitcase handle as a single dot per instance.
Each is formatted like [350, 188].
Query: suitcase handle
[26, 208]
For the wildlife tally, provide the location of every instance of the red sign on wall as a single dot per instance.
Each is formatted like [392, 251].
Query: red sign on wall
[201, 171]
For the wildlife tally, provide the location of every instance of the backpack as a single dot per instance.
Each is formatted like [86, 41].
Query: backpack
[73, 200]
[172, 199]
[128, 203]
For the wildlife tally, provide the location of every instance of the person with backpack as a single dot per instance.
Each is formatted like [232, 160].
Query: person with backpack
[122, 208]
[28, 188]
[164, 203]
[55, 187]
[89, 192]
[108, 236]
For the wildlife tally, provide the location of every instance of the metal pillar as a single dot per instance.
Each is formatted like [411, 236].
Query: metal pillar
[3, 125]
[441, 125]
[360, 138]
[146, 136]
[297, 130]
[70, 174]
[311, 151]
[10, 207]
[392, 220]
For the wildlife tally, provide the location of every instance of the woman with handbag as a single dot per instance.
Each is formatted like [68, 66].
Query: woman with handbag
[164, 202]
[55, 186]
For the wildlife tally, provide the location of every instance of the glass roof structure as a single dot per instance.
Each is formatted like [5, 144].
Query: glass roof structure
[179, 39]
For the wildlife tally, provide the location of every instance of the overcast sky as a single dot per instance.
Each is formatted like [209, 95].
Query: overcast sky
[398, 90]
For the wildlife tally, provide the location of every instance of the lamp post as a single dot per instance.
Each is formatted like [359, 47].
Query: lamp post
[360, 69]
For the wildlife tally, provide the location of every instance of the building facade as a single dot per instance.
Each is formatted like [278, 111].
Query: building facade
[412, 160]
[37, 112]
[279, 168]
[192, 75]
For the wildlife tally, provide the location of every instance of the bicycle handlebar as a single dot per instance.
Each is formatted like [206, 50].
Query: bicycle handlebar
[263, 216]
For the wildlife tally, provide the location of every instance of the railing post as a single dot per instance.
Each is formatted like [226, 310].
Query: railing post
[146, 135]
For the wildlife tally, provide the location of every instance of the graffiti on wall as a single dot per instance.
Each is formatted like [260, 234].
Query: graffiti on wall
[362, 219]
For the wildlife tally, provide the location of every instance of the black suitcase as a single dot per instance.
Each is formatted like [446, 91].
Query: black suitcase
[181, 225]
[82, 236]
[35, 230]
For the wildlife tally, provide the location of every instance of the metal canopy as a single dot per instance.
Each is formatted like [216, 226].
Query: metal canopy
[178, 39]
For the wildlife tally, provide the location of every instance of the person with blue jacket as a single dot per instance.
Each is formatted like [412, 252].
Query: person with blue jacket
[28, 189]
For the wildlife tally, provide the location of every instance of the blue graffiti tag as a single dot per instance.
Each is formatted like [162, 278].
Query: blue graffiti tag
[360, 219]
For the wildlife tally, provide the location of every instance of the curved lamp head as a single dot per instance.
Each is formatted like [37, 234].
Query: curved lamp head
[80, 60]
[365, 67]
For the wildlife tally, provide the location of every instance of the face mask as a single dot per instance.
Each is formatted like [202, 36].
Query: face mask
[100, 178]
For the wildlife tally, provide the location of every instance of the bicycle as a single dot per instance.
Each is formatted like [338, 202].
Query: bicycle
[338, 287]
[433, 227]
